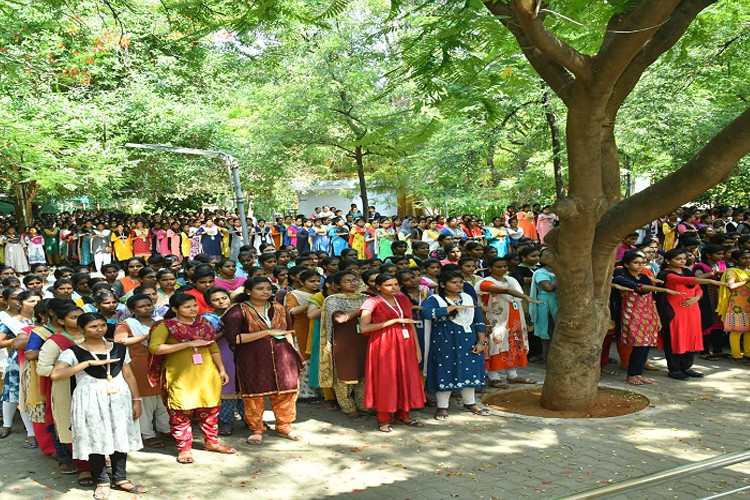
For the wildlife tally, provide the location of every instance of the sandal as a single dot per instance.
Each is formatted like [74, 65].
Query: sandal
[498, 385]
[646, 380]
[521, 380]
[30, 443]
[477, 410]
[219, 448]
[67, 469]
[102, 491]
[86, 479]
[409, 423]
[135, 489]
[711, 357]
[154, 442]
[5, 432]
[226, 429]
[255, 439]
[185, 457]
[355, 415]
[441, 414]
[294, 436]
[385, 427]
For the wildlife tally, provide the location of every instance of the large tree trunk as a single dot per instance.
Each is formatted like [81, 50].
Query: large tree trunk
[593, 217]
[25, 194]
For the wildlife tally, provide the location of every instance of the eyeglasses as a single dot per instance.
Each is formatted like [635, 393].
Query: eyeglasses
[350, 282]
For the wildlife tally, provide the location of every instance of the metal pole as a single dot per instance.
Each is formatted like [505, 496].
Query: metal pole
[639, 483]
[234, 168]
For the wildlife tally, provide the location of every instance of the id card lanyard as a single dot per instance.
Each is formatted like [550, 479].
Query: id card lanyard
[111, 388]
[400, 313]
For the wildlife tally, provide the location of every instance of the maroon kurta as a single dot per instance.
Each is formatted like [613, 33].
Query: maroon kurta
[392, 378]
[268, 365]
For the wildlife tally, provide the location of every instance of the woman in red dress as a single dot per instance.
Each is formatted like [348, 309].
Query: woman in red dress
[141, 240]
[680, 315]
[393, 383]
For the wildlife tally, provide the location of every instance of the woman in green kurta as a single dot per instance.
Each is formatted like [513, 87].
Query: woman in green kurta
[186, 363]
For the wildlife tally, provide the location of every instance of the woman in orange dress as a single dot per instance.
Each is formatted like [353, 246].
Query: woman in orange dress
[526, 222]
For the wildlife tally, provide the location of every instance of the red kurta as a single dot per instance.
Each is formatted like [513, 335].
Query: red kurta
[392, 378]
[685, 328]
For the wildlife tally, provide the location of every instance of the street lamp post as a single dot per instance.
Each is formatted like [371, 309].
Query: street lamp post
[234, 174]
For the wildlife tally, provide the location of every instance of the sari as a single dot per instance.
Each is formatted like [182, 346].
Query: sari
[342, 353]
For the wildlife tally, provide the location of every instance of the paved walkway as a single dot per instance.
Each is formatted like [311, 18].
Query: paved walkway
[499, 456]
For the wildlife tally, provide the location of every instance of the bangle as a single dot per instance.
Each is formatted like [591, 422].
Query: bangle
[136, 399]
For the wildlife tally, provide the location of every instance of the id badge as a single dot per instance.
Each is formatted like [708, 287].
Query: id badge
[515, 306]
[467, 328]
[111, 388]
[405, 333]
[197, 359]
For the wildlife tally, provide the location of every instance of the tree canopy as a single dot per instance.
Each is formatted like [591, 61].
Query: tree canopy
[436, 96]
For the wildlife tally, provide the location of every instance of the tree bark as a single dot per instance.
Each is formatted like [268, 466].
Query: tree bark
[25, 194]
[554, 130]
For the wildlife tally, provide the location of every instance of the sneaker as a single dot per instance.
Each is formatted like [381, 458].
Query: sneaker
[678, 375]
[693, 373]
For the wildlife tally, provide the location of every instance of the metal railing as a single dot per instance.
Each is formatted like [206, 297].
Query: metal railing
[682, 471]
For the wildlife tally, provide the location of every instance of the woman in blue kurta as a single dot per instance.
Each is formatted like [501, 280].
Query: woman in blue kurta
[455, 338]
[339, 236]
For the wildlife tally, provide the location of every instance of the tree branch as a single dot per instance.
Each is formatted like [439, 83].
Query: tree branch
[710, 166]
[625, 38]
[556, 76]
[560, 52]
[669, 33]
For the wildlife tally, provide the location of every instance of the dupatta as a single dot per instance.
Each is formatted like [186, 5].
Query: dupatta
[201, 329]
[725, 293]
[340, 302]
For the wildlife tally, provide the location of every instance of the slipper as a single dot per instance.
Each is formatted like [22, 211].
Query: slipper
[477, 410]
[219, 448]
[385, 428]
[646, 380]
[154, 442]
[86, 480]
[135, 489]
[5, 432]
[67, 469]
[104, 493]
[498, 385]
[441, 414]
[254, 439]
[355, 415]
[609, 372]
[30, 444]
[294, 436]
[226, 430]
[409, 423]
[634, 380]
[185, 457]
[521, 380]
[711, 357]
[651, 367]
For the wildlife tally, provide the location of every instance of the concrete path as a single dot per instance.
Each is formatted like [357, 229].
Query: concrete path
[500, 456]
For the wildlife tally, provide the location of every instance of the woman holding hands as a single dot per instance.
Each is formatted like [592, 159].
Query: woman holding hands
[186, 363]
[393, 383]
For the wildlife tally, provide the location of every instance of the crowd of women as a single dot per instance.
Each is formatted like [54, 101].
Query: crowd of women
[370, 317]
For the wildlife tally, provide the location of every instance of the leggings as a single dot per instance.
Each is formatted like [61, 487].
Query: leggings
[99, 467]
[386, 417]
[9, 411]
[734, 343]
[444, 397]
[228, 408]
[638, 358]
[713, 341]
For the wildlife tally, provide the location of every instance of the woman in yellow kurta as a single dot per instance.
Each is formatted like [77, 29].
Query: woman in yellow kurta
[122, 243]
[186, 363]
[357, 238]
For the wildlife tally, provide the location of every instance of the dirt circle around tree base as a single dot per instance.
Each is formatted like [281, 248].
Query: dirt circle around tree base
[526, 401]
